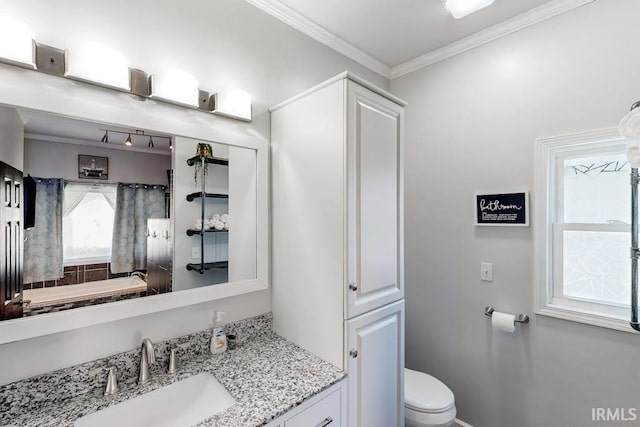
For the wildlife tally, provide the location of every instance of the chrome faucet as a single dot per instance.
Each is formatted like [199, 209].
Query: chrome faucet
[147, 357]
[112, 382]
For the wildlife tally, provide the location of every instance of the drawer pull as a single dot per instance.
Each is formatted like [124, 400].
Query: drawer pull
[353, 353]
[353, 287]
[325, 422]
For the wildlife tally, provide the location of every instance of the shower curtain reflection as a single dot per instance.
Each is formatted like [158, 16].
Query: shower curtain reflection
[43, 242]
[135, 204]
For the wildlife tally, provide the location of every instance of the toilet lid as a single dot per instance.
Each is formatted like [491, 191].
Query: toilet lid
[424, 393]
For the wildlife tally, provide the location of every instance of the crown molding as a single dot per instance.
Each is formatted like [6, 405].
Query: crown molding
[94, 144]
[524, 20]
[301, 23]
[24, 119]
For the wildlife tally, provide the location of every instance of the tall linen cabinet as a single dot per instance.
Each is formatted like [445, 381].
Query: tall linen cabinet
[337, 238]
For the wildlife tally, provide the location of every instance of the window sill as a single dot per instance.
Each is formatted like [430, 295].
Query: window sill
[84, 261]
[587, 317]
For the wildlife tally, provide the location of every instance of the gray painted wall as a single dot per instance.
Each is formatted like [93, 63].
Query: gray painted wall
[48, 159]
[471, 125]
[221, 42]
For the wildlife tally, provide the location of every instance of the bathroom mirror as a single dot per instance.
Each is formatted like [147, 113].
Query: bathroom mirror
[105, 206]
[177, 217]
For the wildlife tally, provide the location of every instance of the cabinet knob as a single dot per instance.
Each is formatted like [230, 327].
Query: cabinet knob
[353, 287]
[353, 353]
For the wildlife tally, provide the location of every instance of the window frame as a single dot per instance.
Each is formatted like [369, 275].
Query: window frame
[88, 260]
[550, 154]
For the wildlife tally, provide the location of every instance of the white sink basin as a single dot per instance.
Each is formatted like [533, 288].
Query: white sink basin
[184, 403]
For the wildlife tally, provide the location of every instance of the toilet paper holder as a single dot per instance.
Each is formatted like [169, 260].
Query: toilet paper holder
[520, 318]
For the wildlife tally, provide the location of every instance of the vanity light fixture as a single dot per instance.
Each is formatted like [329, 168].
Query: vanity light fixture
[461, 8]
[140, 83]
[233, 103]
[17, 46]
[150, 145]
[98, 64]
[128, 141]
[177, 87]
[103, 66]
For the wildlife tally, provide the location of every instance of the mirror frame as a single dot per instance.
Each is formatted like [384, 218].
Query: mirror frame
[20, 88]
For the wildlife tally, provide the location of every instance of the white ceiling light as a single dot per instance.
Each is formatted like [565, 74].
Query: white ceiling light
[461, 8]
[16, 42]
[176, 86]
[99, 64]
[234, 103]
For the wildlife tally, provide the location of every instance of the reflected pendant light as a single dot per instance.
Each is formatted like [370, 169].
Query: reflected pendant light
[128, 141]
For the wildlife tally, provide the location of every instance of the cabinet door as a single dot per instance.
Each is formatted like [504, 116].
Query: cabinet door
[375, 200]
[375, 367]
[11, 239]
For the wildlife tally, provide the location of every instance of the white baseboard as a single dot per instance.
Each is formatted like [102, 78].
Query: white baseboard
[460, 423]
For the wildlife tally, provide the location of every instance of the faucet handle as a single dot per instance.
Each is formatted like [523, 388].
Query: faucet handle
[112, 382]
[173, 360]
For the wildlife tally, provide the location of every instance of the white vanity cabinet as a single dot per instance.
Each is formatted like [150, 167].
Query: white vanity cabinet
[376, 374]
[337, 237]
[326, 409]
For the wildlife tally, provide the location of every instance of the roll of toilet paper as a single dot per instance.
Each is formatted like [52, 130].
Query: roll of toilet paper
[503, 322]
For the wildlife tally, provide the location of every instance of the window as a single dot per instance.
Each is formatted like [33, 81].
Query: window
[583, 269]
[87, 223]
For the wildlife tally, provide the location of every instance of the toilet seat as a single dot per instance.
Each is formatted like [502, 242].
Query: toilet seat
[426, 394]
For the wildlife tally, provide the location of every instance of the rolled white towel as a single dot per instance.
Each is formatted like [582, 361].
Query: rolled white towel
[208, 224]
[215, 217]
[218, 225]
[226, 226]
[224, 218]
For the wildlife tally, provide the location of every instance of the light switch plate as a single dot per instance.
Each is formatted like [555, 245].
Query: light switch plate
[486, 271]
[195, 252]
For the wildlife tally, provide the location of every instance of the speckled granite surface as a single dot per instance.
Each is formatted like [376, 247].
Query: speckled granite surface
[266, 374]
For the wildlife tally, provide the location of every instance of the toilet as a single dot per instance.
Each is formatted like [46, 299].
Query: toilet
[427, 401]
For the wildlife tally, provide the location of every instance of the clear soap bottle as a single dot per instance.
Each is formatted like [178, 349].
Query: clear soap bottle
[219, 338]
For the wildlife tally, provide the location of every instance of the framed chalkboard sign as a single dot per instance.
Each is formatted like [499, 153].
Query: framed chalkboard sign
[506, 209]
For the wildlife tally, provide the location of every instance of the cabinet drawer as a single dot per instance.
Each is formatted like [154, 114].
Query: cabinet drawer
[325, 413]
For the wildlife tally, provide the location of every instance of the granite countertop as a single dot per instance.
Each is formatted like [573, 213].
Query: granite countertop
[267, 375]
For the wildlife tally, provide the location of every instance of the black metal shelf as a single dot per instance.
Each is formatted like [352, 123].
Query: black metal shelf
[201, 268]
[196, 232]
[198, 195]
[202, 195]
[215, 160]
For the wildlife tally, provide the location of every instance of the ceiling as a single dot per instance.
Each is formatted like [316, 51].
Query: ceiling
[49, 127]
[394, 37]
[396, 31]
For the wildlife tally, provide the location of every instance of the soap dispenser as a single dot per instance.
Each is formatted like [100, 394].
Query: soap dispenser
[219, 338]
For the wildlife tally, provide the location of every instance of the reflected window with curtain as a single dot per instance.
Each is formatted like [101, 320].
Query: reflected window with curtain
[87, 223]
